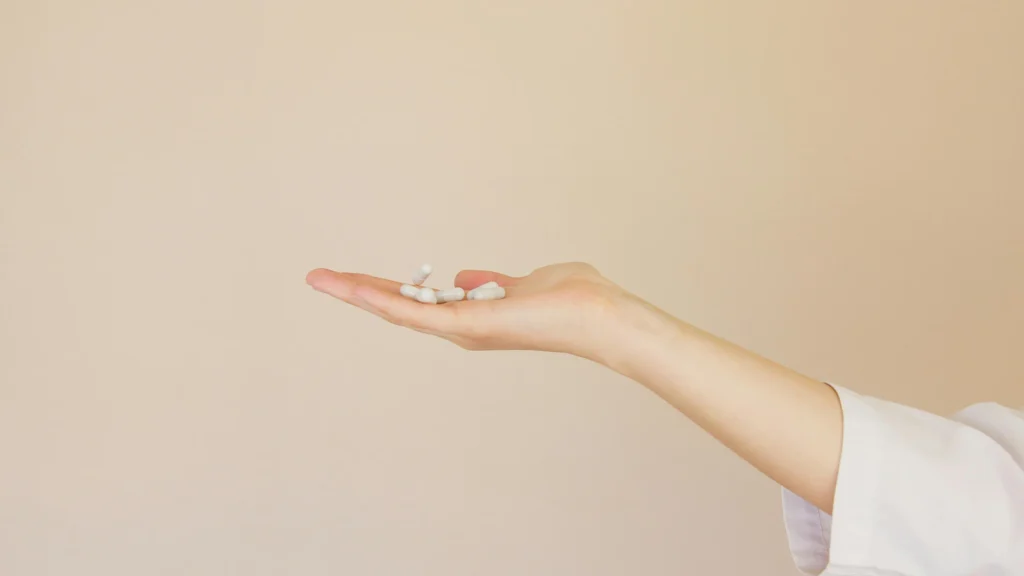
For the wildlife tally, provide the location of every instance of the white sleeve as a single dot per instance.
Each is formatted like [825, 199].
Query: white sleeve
[918, 495]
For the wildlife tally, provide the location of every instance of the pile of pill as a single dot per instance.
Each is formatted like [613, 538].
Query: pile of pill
[420, 293]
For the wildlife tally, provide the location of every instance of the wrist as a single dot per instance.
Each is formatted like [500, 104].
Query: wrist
[631, 332]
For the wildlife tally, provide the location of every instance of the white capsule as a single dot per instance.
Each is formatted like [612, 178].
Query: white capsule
[472, 293]
[450, 295]
[427, 296]
[490, 293]
[409, 291]
[422, 274]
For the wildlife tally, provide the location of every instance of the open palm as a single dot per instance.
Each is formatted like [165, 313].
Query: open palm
[556, 308]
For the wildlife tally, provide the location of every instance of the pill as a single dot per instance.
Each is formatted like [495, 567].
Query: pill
[427, 296]
[450, 295]
[409, 291]
[489, 293]
[472, 293]
[422, 274]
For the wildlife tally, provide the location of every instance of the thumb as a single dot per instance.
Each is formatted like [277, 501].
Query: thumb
[469, 279]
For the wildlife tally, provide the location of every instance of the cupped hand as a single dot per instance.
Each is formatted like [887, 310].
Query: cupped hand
[564, 308]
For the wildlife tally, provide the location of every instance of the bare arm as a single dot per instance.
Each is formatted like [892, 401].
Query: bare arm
[786, 425]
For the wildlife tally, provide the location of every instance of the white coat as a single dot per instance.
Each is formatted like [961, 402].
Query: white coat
[918, 495]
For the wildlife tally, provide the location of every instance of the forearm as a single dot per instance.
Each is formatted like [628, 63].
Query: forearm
[785, 424]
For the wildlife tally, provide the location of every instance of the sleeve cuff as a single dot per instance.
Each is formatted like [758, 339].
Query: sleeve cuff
[815, 542]
[917, 495]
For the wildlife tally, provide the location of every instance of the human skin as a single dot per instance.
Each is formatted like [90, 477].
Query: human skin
[785, 424]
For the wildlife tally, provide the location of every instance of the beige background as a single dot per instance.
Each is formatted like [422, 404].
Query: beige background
[836, 185]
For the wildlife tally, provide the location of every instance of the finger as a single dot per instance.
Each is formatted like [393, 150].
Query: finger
[382, 298]
[378, 296]
[469, 279]
[336, 284]
[342, 285]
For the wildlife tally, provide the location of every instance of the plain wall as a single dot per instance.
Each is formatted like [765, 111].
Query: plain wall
[836, 185]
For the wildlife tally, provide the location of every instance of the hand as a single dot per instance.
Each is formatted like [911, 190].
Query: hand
[566, 308]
